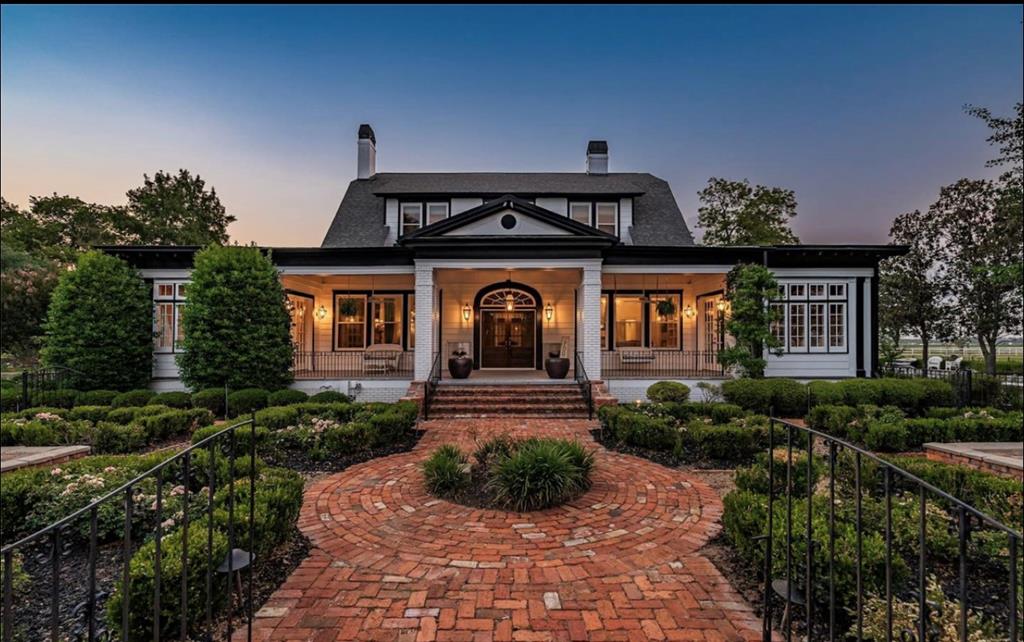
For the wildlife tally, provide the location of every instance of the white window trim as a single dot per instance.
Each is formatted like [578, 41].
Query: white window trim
[615, 215]
[846, 325]
[400, 315]
[824, 326]
[176, 300]
[590, 211]
[426, 211]
[401, 216]
[788, 301]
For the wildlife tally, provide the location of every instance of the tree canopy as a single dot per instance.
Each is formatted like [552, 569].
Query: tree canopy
[734, 213]
[177, 209]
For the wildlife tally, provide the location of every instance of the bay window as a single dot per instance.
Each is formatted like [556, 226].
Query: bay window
[812, 317]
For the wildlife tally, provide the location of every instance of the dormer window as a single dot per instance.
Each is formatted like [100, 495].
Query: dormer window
[607, 218]
[412, 217]
[580, 212]
[415, 215]
[436, 212]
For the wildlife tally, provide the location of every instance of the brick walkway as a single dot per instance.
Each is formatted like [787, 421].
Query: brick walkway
[621, 563]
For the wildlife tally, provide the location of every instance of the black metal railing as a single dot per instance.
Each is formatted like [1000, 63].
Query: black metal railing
[648, 363]
[970, 387]
[586, 388]
[361, 364]
[82, 617]
[430, 385]
[36, 384]
[875, 483]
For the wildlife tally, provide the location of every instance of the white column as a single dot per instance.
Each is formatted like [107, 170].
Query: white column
[590, 325]
[425, 342]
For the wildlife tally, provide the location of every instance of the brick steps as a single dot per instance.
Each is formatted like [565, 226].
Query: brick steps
[563, 401]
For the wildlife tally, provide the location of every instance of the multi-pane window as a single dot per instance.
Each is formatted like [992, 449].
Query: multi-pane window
[169, 304]
[580, 212]
[411, 216]
[387, 319]
[607, 217]
[436, 212]
[629, 322]
[665, 323]
[816, 325]
[350, 321]
[837, 325]
[813, 317]
[796, 325]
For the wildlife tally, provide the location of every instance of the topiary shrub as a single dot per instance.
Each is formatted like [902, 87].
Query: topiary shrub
[100, 325]
[339, 411]
[278, 499]
[330, 396]
[132, 398]
[347, 439]
[122, 415]
[825, 392]
[446, 471]
[96, 398]
[286, 397]
[116, 439]
[540, 473]
[212, 399]
[55, 398]
[88, 413]
[668, 391]
[886, 437]
[240, 283]
[246, 401]
[655, 433]
[173, 423]
[175, 399]
[749, 394]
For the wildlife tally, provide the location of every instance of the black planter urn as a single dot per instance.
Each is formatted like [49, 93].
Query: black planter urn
[460, 367]
[557, 367]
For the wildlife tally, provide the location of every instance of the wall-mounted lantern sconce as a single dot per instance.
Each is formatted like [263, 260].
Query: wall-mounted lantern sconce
[549, 311]
[689, 312]
[321, 312]
[466, 312]
[720, 305]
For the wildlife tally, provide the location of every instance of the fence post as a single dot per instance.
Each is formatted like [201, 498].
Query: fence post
[24, 390]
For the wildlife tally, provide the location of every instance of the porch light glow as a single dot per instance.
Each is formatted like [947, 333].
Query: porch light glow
[321, 312]
[720, 305]
[510, 302]
[549, 311]
[466, 312]
[689, 312]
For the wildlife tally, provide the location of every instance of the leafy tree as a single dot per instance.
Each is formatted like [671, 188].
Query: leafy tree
[1008, 134]
[237, 328]
[25, 287]
[911, 295]
[177, 209]
[100, 323]
[734, 213]
[976, 243]
[60, 227]
[749, 288]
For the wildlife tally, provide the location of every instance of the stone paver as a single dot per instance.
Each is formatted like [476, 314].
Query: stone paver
[622, 562]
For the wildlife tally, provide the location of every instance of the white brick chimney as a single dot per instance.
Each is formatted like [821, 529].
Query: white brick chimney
[367, 163]
[597, 157]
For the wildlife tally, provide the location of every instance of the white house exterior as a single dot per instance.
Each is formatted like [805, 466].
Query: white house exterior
[512, 267]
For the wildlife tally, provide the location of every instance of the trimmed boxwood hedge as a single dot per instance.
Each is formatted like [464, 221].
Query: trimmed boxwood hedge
[211, 398]
[174, 399]
[790, 398]
[668, 391]
[132, 398]
[286, 397]
[96, 398]
[247, 401]
[330, 396]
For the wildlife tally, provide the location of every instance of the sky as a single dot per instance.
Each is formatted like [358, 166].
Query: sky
[857, 109]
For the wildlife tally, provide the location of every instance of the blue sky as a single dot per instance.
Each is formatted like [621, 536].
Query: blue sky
[858, 109]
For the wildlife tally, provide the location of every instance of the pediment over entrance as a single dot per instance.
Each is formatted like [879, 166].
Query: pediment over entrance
[508, 222]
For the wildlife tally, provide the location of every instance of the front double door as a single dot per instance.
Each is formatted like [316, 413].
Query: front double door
[507, 338]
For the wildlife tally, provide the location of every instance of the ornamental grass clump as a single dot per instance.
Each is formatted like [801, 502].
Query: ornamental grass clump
[523, 475]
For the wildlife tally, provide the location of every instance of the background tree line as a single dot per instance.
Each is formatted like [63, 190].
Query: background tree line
[44, 240]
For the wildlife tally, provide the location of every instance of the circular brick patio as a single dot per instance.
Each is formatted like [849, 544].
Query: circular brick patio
[390, 562]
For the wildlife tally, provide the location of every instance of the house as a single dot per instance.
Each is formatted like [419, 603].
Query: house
[595, 266]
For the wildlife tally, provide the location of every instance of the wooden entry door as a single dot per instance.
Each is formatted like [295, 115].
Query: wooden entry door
[507, 339]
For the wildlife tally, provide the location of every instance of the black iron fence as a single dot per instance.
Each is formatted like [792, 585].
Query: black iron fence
[844, 552]
[970, 387]
[586, 389]
[362, 364]
[151, 605]
[647, 363]
[38, 384]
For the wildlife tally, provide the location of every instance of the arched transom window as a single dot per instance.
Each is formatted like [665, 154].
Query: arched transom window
[508, 298]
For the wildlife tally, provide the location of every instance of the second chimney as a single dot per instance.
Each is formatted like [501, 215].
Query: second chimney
[367, 161]
[597, 157]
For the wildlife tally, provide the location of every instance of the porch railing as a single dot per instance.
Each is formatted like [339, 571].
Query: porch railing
[586, 389]
[355, 364]
[430, 385]
[648, 363]
[130, 516]
[861, 490]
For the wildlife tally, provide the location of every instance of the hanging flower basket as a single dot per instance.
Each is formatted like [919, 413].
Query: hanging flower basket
[348, 307]
[666, 307]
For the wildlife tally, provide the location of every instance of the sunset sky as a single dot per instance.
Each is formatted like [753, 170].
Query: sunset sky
[858, 109]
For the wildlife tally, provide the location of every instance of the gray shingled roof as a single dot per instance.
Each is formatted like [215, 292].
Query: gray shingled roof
[359, 221]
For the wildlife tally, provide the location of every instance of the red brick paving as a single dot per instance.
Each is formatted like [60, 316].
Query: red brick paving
[622, 562]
